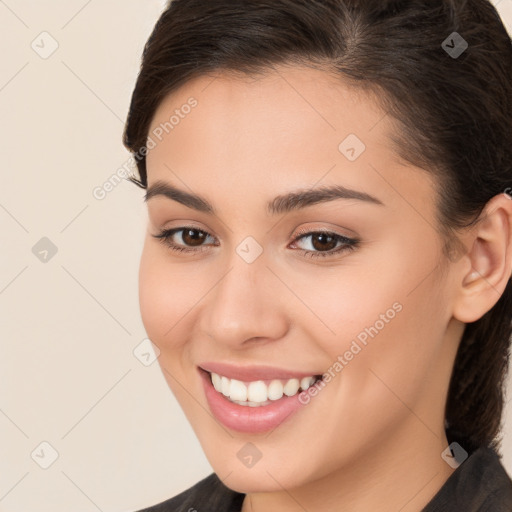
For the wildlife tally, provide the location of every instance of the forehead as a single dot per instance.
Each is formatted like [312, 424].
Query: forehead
[291, 103]
[287, 127]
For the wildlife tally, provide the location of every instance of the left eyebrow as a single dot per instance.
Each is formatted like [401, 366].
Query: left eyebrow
[281, 204]
[307, 197]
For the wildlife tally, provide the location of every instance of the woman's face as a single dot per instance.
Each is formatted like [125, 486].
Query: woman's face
[270, 288]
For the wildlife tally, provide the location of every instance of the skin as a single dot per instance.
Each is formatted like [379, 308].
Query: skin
[372, 438]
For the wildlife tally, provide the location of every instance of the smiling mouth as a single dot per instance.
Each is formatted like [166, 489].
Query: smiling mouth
[260, 392]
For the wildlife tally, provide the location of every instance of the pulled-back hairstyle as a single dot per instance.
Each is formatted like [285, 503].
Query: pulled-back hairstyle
[453, 113]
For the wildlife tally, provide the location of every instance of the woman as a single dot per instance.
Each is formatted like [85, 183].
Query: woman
[326, 271]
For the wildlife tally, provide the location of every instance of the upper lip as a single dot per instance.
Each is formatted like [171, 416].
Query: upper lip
[254, 372]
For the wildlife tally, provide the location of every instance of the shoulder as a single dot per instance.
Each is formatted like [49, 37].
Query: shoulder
[479, 484]
[498, 485]
[208, 494]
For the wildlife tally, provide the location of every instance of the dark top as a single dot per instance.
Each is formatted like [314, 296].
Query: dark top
[479, 484]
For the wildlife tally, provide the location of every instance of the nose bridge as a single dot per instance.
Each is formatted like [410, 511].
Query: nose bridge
[241, 305]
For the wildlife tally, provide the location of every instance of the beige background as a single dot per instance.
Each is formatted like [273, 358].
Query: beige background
[69, 325]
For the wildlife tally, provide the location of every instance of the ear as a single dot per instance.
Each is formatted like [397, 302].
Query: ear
[485, 269]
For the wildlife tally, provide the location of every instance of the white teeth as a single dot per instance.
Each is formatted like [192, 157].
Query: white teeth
[224, 387]
[251, 404]
[237, 391]
[216, 380]
[306, 382]
[257, 393]
[291, 387]
[275, 390]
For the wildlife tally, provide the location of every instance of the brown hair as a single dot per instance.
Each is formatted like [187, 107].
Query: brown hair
[454, 113]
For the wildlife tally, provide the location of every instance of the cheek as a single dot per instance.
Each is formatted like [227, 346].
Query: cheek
[166, 294]
[350, 303]
[387, 317]
[399, 358]
[152, 298]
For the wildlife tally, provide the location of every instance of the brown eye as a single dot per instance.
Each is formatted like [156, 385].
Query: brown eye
[321, 244]
[193, 237]
[323, 241]
[184, 239]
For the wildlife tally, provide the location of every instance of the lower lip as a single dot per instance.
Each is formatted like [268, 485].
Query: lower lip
[244, 418]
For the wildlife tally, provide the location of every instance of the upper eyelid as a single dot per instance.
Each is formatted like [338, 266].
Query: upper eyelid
[173, 231]
[307, 232]
[298, 236]
[347, 243]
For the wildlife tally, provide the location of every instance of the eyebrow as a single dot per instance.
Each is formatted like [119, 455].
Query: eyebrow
[281, 204]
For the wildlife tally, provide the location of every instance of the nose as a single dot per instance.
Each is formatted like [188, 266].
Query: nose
[246, 304]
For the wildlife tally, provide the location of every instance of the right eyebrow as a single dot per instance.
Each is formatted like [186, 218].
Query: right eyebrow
[196, 202]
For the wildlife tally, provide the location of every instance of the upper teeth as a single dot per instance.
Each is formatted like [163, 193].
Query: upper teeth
[257, 392]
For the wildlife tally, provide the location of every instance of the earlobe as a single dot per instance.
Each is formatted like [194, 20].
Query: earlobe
[489, 260]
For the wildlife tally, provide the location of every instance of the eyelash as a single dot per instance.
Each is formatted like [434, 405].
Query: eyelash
[349, 244]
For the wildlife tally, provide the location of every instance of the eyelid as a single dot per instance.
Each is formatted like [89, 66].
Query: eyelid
[348, 243]
[169, 232]
[296, 235]
[325, 228]
[309, 231]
